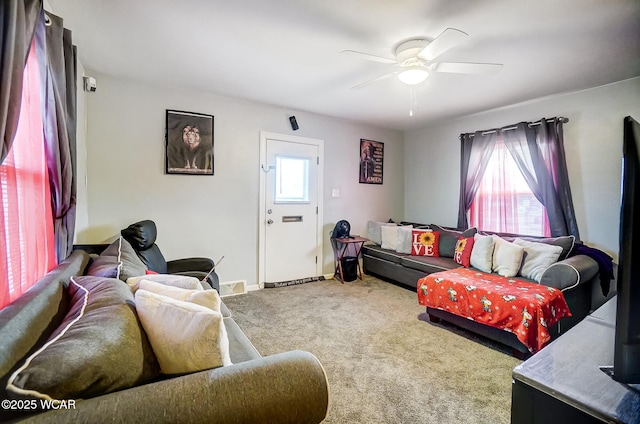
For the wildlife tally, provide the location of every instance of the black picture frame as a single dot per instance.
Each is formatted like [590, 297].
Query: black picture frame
[189, 143]
[371, 161]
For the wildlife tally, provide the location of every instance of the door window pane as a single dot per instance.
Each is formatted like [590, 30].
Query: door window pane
[292, 179]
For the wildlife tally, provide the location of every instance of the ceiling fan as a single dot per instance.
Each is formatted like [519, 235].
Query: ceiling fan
[416, 58]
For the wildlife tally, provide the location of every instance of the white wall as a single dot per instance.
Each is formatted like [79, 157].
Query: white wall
[216, 215]
[593, 144]
[82, 215]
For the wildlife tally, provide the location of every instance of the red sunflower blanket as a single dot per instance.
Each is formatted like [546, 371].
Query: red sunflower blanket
[523, 308]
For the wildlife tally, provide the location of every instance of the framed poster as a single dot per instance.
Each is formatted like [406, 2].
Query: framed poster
[371, 158]
[189, 143]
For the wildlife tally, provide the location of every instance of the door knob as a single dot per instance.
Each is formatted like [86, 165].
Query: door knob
[270, 221]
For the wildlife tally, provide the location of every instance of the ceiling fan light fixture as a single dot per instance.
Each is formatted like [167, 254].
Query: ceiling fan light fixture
[413, 75]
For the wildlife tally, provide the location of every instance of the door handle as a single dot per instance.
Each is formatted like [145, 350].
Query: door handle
[270, 221]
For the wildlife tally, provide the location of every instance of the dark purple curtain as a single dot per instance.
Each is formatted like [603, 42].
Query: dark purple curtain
[18, 19]
[538, 150]
[59, 127]
[476, 150]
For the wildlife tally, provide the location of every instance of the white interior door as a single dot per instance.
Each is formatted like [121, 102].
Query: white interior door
[290, 217]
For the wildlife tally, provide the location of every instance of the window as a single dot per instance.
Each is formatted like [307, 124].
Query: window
[27, 250]
[504, 202]
[292, 180]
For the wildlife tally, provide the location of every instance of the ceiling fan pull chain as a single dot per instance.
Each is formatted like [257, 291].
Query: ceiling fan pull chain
[413, 100]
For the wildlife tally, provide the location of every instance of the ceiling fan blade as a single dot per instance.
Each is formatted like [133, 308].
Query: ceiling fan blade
[371, 81]
[371, 57]
[467, 68]
[449, 38]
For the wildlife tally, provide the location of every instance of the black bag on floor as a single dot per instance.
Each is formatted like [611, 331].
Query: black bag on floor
[349, 268]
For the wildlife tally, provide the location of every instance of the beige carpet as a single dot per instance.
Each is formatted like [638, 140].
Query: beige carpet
[383, 364]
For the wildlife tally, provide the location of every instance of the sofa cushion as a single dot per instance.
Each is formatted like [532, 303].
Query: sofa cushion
[240, 347]
[463, 250]
[119, 260]
[185, 337]
[507, 257]
[566, 242]
[428, 264]
[379, 252]
[537, 258]
[425, 243]
[27, 322]
[449, 238]
[482, 253]
[181, 281]
[99, 347]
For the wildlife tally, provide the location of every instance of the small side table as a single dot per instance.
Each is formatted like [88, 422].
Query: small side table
[341, 249]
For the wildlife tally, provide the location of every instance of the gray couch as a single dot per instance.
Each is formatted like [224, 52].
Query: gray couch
[577, 276]
[289, 387]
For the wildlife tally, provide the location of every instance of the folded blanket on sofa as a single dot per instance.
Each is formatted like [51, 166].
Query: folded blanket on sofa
[605, 264]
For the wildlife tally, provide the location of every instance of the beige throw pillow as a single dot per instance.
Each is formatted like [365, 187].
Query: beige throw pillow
[507, 257]
[181, 281]
[389, 237]
[537, 258]
[482, 253]
[404, 239]
[185, 337]
[207, 298]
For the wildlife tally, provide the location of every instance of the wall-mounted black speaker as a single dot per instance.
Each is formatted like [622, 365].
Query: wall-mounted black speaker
[294, 123]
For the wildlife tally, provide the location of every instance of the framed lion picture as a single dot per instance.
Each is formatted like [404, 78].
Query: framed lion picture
[189, 143]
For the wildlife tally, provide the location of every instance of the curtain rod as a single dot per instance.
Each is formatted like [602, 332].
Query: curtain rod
[513, 127]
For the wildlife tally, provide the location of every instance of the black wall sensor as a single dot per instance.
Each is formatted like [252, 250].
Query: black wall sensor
[294, 123]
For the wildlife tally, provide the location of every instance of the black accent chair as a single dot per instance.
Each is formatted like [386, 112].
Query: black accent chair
[142, 236]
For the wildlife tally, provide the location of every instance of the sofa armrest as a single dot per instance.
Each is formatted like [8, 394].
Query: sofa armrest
[189, 264]
[212, 281]
[289, 387]
[570, 272]
[195, 267]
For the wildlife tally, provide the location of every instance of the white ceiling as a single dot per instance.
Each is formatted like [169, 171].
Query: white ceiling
[287, 52]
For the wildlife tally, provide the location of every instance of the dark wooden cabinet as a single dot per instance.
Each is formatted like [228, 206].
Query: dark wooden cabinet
[563, 383]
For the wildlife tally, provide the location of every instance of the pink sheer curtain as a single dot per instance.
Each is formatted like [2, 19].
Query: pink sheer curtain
[504, 202]
[27, 249]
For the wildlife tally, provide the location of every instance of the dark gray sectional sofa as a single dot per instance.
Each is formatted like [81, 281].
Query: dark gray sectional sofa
[289, 387]
[577, 276]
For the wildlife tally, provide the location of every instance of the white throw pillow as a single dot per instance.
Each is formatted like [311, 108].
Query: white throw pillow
[207, 298]
[507, 257]
[374, 233]
[537, 258]
[389, 237]
[185, 337]
[404, 239]
[482, 253]
[182, 281]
